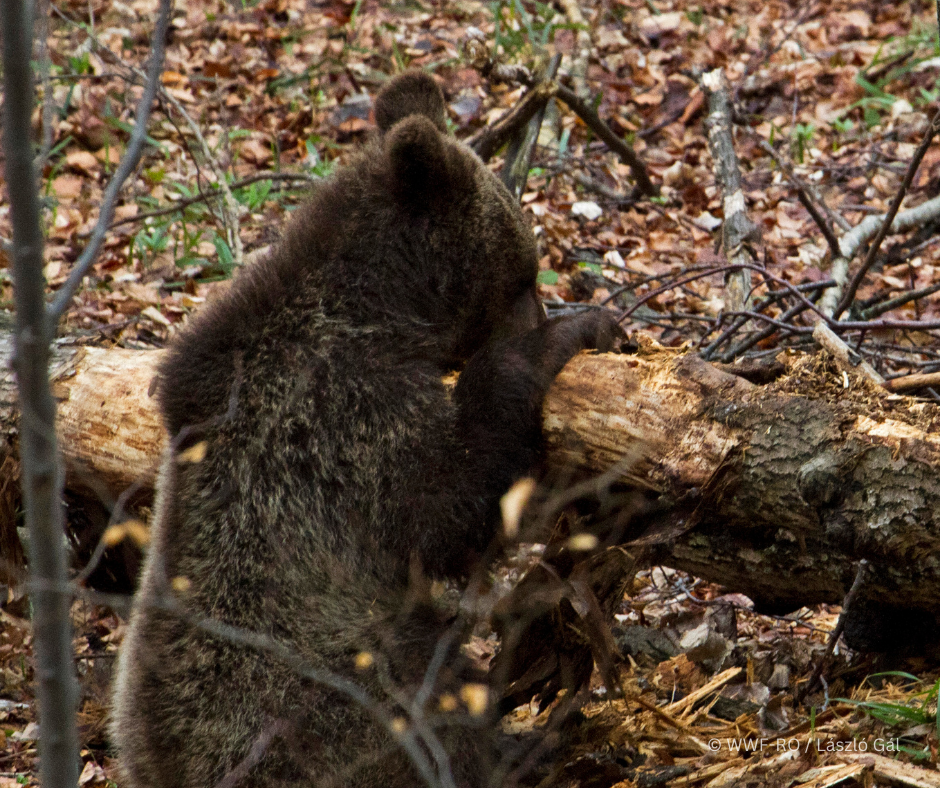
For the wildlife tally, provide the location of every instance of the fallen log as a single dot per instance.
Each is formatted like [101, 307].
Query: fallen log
[793, 482]
[110, 436]
[783, 487]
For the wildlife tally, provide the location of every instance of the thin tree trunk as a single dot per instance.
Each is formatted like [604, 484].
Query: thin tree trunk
[57, 689]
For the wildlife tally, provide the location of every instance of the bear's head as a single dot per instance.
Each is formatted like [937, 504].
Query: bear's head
[481, 261]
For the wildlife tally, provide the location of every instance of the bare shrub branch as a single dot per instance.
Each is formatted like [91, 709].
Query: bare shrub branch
[128, 164]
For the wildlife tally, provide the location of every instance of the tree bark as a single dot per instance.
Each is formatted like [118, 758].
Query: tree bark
[109, 434]
[42, 482]
[780, 488]
[792, 482]
[109, 428]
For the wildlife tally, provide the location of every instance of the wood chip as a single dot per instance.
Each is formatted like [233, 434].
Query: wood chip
[896, 771]
[692, 698]
[825, 776]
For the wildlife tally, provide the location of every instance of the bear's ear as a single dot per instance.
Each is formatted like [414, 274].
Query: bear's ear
[418, 156]
[411, 93]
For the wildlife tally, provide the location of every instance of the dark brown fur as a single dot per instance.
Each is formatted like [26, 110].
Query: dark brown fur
[337, 464]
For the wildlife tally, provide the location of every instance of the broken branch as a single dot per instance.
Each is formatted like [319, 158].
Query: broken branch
[617, 145]
[889, 218]
[738, 231]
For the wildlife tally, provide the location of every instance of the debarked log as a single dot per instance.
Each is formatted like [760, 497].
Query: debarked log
[785, 486]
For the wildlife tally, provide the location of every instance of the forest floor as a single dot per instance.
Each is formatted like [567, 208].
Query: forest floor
[272, 95]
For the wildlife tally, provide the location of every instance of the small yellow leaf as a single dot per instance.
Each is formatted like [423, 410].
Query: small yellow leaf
[113, 535]
[137, 531]
[132, 529]
[582, 542]
[195, 453]
[476, 696]
[364, 660]
[399, 725]
[513, 503]
[447, 702]
[180, 584]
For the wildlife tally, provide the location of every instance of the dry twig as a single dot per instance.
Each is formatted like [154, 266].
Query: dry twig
[739, 233]
[810, 198]
[128, 164]
[491, 139]
[180, 205]
[889, 218]
[594, 122]
[582, 52]
[836, 632]
[773, 297]
[229, 205]
[519, 155]
[851, 242]
[847, 359]
[901, 300]
[908, 383]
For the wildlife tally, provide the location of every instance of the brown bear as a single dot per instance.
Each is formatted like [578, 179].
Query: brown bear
[319, 464]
